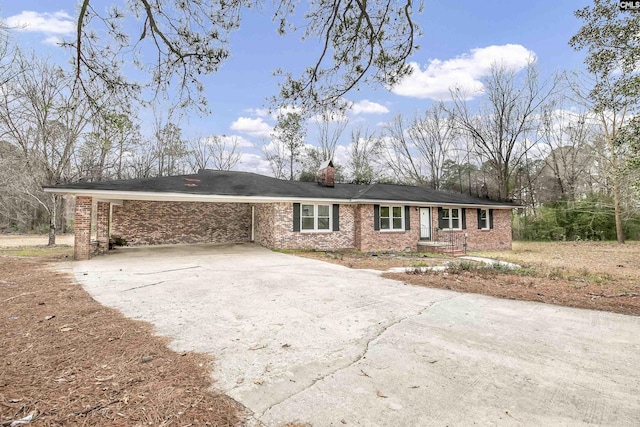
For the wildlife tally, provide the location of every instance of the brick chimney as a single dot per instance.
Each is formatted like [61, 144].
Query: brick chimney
[326, 176]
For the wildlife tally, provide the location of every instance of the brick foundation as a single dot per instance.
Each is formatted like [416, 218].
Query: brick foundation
[151, 222]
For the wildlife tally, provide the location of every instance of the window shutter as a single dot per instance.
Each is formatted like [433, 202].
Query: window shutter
[376, 217]
[407, 218]
[464, 218]
[491, 218]
[336, 217]
[441, 224]
[479, 213]
[296, 217]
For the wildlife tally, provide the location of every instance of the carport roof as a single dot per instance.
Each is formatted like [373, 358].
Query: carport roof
[250, 186]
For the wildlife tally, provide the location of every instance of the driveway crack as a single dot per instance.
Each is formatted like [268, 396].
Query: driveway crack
[360, 355]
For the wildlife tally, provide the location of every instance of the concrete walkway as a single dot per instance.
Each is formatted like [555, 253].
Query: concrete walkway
[296, 338]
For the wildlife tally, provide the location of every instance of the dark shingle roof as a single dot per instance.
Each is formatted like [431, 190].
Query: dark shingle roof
[247, 184]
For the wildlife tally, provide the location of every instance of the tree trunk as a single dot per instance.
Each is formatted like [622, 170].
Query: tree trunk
[617, 210]
[52, 221]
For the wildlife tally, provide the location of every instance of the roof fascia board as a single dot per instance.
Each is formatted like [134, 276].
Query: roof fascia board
[432, 204]
[105, 195]
[117, 197]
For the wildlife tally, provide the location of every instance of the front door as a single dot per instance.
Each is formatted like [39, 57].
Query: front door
[425, 223]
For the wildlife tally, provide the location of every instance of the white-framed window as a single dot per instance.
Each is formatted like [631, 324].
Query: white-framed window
[483, 219]
[315, 217]
[451, 219]
[391, 218]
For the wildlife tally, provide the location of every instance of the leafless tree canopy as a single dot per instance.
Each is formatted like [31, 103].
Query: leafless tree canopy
[360, 41]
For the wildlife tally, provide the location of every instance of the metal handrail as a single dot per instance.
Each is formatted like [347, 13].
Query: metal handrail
[454, 239]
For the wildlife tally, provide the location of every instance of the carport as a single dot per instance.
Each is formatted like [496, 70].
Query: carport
[159, 219]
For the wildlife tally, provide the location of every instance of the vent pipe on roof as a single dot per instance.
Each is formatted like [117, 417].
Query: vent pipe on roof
[326, 175]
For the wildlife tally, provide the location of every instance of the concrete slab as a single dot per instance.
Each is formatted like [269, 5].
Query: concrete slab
[296, 338]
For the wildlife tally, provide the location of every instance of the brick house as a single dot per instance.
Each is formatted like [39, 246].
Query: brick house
[235, 207]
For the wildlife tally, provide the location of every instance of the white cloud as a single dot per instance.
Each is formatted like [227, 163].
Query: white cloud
[253, 127]
[254, 163]
[258, 112]
[48, 23]
[228, 140]
[465, 71]
[368, 107]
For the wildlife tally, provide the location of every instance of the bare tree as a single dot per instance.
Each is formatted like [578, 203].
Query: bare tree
[43, 117]
[505, 120]
[361, 40]
[400, 155]
[330, 128]
[364, 149]
[289, 134]
[434, 136]
[275, 153]
[170, 148]
[113, 136]
[219, 152]
[567, 136]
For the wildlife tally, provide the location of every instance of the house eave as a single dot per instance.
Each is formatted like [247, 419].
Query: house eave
[105, 195]
[432, 204]
[116, 197]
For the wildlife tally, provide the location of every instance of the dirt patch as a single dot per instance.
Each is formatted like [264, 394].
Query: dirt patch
[594, 275]
[611, 296]
[609, 258]
[70, 361]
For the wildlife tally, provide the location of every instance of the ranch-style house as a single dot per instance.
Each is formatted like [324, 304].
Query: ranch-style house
[237, 207]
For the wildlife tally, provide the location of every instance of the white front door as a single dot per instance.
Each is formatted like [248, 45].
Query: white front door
[425, 223]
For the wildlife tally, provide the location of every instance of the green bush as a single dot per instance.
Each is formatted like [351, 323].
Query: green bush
[591, 218]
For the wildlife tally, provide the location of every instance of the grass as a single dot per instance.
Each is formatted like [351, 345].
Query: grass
[51, 252]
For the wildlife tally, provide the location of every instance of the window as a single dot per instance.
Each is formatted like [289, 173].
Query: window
[391, 218]
[450, 218]
[483, 219]
[315, 218]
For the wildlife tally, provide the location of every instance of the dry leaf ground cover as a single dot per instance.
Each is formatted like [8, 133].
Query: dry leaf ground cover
[67, 360]
[594, 275]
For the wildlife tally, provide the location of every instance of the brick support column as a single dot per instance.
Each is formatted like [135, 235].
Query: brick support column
[102, 226]
[82, 228]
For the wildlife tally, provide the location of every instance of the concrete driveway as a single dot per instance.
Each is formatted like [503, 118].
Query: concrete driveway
[299, 339]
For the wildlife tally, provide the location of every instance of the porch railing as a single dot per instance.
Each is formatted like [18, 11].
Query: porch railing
[454, 240]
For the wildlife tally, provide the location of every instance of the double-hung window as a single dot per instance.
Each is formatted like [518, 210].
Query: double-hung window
[450, 219]
[391, 218]
[315, 217]
[483, 219]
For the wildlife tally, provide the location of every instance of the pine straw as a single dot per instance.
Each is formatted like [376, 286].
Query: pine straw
[91, 366]
[615, 296]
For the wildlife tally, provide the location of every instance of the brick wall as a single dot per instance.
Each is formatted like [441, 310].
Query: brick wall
[150, 222]
[372, 240]
[102, 225]
[286, 238]
[497, 238]
[263, 228]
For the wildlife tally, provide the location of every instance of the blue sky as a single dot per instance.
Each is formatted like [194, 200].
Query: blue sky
[460, 39]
